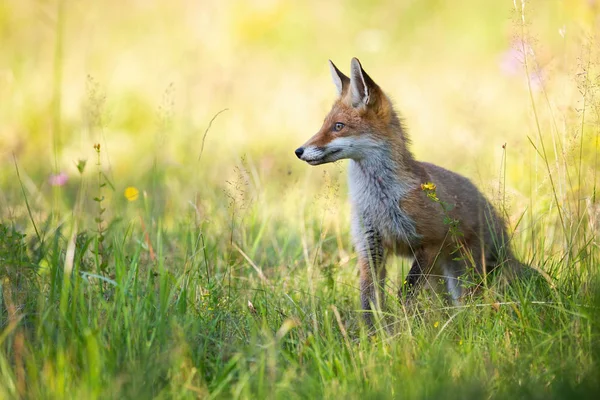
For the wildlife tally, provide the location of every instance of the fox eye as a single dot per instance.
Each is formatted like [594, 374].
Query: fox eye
[338, 126]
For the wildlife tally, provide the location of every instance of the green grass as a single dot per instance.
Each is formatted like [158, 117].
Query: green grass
[231, 275]
[252, 306]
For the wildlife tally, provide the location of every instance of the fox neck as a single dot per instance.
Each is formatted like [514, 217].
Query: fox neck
[378, 183]
[386, 170]
[390, 162]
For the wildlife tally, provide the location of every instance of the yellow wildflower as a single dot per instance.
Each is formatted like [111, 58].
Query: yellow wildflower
[436, 324]
[428, 186]
[131, 193]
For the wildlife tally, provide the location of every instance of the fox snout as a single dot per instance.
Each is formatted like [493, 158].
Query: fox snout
[315, 155]
[311, 154]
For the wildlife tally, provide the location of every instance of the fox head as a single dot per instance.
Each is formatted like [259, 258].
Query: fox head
[357, 124]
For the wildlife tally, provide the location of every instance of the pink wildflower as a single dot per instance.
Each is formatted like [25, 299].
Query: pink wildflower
[59, 179]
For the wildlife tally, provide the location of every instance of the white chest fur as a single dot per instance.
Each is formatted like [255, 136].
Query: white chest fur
[376, 194]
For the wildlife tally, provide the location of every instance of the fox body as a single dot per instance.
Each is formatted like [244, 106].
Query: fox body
[395, 208]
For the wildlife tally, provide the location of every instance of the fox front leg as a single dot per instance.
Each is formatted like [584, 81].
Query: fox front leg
[371, 262]
[414, 280]
[417, 276]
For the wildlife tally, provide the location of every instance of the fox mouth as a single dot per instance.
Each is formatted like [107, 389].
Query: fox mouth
[325, 158]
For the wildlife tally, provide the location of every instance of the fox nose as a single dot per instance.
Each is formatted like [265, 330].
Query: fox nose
[299, 151]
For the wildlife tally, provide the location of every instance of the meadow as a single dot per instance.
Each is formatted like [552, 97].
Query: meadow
[159, 238]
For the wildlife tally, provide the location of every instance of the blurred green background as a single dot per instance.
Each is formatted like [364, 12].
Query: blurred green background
[144, 79]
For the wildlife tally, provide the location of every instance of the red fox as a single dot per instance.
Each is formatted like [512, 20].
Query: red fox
[401, 206]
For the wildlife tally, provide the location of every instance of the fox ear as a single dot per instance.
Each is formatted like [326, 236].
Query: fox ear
[361, 85]
[340, 80]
